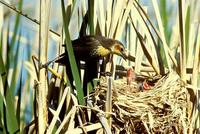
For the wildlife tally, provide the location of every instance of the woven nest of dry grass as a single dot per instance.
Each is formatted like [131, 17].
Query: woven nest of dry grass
[162, 109]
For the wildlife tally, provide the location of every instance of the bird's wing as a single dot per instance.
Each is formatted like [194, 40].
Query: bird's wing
[85, 47]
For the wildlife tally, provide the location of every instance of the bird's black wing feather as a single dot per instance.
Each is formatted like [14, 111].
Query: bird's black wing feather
[85, 47]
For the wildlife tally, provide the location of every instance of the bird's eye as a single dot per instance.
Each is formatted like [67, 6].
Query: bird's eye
[122, 49]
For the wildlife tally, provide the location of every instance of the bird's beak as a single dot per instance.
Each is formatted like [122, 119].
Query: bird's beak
[124, 55]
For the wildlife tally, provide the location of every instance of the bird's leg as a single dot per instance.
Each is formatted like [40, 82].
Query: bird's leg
[104, 69]
[34, 58]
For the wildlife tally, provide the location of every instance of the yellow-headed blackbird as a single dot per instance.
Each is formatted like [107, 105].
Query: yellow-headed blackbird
[90, 49]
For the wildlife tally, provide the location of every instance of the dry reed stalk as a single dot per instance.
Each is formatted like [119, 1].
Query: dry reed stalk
[43, 49]
[109, 101]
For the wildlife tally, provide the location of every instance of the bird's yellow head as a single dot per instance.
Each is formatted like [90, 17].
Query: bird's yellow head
[119, 49]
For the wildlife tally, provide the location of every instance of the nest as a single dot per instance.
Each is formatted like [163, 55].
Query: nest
[162, 109]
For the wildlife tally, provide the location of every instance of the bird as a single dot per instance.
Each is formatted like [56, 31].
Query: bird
[91, 49]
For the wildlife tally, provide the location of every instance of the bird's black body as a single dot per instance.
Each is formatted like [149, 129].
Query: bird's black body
[90, 49]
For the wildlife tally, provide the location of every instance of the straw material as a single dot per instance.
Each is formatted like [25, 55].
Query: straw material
[163, 108]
